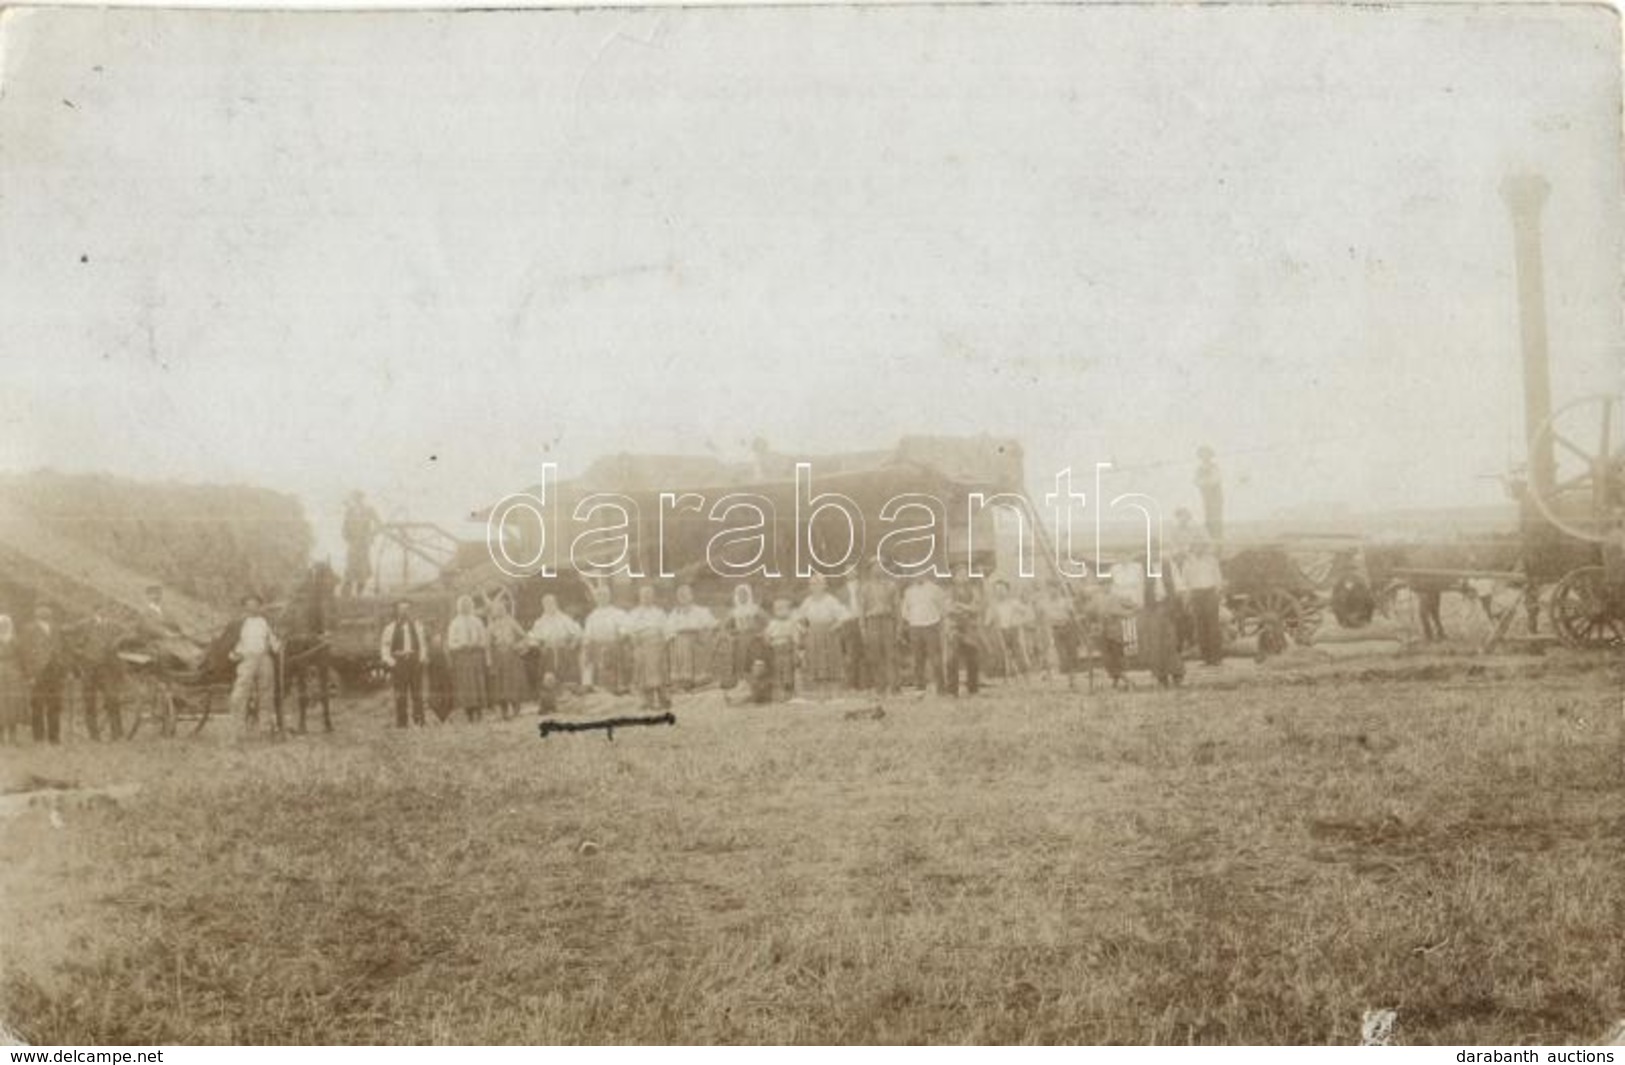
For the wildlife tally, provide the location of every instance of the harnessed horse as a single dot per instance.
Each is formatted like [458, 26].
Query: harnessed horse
[306, 648]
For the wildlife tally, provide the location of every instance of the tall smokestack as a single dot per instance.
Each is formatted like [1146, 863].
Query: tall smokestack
[1525, 195]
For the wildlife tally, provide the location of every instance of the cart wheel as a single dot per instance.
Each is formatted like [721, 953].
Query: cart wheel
[1307, 622]
[1282, 607]
[1583, 612]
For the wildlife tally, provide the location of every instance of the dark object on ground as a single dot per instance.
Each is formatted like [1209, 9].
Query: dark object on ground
[608, 724]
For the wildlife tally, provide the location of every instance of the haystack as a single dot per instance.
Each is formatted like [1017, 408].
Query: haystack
[207, 543]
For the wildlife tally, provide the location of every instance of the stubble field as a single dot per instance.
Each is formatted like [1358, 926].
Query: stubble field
[1257, 858]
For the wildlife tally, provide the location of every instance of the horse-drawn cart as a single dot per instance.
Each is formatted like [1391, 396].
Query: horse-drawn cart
[169, 700]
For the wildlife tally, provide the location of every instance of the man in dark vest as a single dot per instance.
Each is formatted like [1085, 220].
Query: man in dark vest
[404, 650]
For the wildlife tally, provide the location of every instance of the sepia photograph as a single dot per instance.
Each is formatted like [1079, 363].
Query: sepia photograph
[842, 524]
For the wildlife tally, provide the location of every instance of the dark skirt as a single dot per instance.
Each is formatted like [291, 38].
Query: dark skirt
[507, 676]
[649, 663]
[468, 678]
[690, 658]
[826, 658]
[1159, 644]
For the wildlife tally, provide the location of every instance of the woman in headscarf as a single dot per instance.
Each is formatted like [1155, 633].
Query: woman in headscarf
[13, 685]
[506, 638]
[743, 630]
[646, 626]
[690, 626]
[470, 653]
[823, 614]
[558, 636]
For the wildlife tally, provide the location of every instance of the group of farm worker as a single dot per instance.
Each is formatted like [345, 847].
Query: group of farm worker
[871, 632]
[868, 635]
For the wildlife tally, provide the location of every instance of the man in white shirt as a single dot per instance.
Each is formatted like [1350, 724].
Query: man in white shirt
[1202, 578]
[404, 651]
[925, 605]
[255, 654]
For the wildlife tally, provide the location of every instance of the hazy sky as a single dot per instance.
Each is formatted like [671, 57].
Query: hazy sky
[421, 254]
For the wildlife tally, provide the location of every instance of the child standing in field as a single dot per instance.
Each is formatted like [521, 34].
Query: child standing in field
[783, 635]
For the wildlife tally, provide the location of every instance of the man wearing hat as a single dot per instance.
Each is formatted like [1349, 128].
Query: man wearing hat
[404, 650]
[155, 616]
[1211, 485]
[360, 526]
[255, 654]
[45, 664]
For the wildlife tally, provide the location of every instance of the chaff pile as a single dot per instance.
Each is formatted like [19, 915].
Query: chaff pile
[212, 543]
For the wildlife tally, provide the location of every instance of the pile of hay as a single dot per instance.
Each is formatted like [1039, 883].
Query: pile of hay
[211, 542]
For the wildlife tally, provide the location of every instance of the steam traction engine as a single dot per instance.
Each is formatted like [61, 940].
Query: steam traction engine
[1571, 495]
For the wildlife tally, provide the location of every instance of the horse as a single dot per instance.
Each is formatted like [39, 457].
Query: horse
[306, 647]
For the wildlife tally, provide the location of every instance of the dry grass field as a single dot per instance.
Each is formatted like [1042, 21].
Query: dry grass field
[1257, 858]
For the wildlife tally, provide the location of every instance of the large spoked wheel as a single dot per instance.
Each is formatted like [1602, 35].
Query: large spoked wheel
[1587, 438]
[1276, 613]
[1310, 614]
[152, 703]
[1585, 612]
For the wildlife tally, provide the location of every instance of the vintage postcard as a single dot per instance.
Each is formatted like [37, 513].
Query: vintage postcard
[852, 523]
